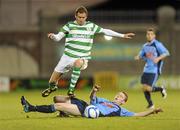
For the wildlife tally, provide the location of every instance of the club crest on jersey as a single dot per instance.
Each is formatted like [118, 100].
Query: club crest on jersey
[89, 29]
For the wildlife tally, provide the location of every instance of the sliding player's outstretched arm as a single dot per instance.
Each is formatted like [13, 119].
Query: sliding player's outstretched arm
[148, 112]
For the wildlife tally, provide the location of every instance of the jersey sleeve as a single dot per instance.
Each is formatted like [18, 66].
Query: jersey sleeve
[162, 49]
[125, 112]
[97, 29]
[65, 28]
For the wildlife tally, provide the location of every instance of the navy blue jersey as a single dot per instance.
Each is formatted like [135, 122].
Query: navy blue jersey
[108, 108]
[150, 51]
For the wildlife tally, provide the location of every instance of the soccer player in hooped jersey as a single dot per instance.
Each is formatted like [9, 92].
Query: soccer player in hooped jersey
[153, 52]
[78, 43]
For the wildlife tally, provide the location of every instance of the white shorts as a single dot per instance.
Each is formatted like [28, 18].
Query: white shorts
[66, 63]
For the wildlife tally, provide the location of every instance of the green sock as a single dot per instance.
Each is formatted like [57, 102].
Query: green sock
[74, 78]
[52, 85]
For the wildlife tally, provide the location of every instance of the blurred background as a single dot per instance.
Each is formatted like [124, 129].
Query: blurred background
[28, 57]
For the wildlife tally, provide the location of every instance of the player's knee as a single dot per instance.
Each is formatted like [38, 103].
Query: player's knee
[59, 106]
[55, 99]
[146, 88]
[60, 99]
[143, 89]
[78, 63]
[149, 89]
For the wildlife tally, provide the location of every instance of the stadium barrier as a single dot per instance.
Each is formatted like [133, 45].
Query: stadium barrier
[107, 79]
[4, 84]
[11, 84]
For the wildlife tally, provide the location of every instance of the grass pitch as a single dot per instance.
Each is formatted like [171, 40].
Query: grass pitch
[12, 116]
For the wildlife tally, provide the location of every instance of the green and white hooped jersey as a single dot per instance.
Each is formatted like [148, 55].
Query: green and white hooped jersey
[79, 40]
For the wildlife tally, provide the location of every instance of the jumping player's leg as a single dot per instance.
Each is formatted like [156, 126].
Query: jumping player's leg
[54, 79]
[63, 66]
[52, 83]
[79, 64]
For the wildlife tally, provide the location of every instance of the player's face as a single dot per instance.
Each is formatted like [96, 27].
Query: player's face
[81, 18]
[150, 36]
[120, 98]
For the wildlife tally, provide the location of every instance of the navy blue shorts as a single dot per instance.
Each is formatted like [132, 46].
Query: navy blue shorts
[80, 104]
[149, 78]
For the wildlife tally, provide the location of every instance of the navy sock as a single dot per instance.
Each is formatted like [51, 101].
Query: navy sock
[32, 108]
[156, 89]
[148, 97]
[45, 108]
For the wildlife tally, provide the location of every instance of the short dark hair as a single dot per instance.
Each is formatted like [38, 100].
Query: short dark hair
[126, 95]
[151, 29]
[81, 9]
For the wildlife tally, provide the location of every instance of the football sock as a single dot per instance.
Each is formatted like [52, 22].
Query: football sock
[52, 85]
[74, 78]
[45, 108]
[156, 89]
[148, 97]
[31, 107]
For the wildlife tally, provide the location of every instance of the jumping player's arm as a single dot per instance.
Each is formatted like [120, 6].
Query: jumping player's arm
[116, 34]
[63, 31]
[56, 37]
[148, 112]
[109, 32]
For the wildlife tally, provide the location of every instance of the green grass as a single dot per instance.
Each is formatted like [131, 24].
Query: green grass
[13, 118]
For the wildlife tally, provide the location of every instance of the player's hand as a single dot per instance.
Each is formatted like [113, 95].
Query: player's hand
[156, 60]
[129, 35]
[157, 110]
[96, 88]
[50, 35]
[137, 57]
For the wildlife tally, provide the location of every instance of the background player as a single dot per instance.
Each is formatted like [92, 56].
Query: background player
[152, 52]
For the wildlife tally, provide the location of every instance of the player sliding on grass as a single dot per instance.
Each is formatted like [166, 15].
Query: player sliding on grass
[153, 53]
[79, 36]
[76, 107]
